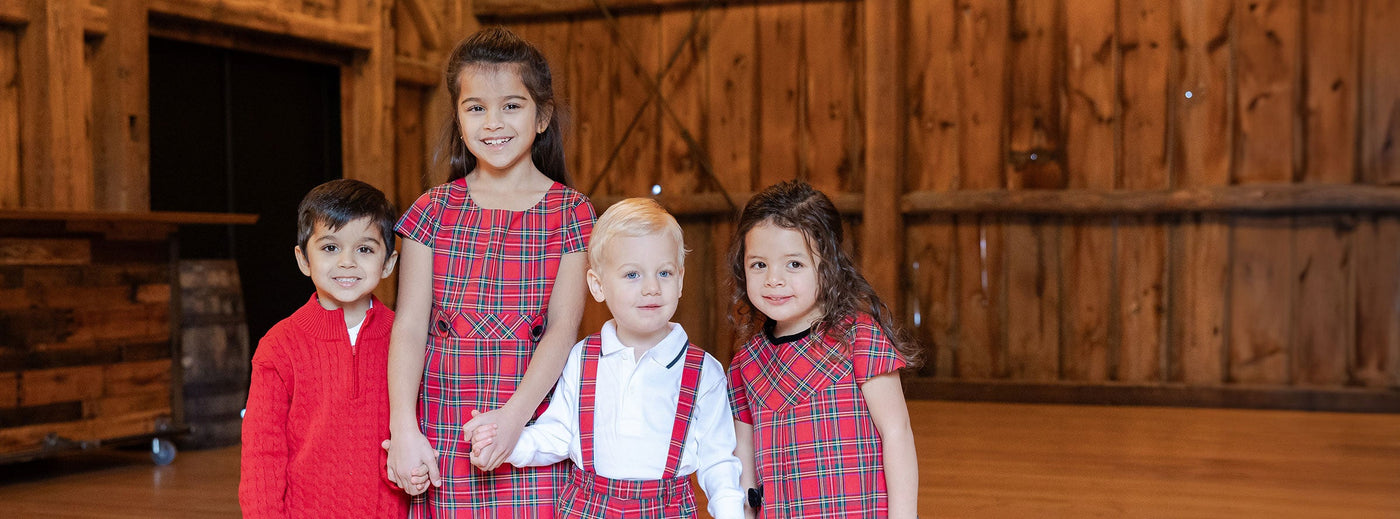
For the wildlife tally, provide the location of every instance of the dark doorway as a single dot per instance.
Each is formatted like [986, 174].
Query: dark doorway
[240, 132]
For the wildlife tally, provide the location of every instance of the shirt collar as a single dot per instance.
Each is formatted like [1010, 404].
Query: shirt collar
[662, 353]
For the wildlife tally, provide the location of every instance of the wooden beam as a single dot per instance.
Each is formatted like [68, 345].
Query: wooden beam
[95, 20]
[13, 12]
[1255, 198]
[416, 72]
[56, 166]
[527, 8]
[1175, 395]
[167, 217]
[429, 32]
[884, 148]
[257, 17]
[121, 136]
[714, 204]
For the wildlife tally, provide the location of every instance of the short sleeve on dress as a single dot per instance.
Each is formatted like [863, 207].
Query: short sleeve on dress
[738, 398]
[872, 352]
[578, 225]
[420, 221]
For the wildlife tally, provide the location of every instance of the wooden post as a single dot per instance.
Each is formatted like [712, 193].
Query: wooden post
[121, 120]
[56, 166]
[884, 149]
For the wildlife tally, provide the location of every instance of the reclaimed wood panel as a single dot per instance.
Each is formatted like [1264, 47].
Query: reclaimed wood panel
[10, 188]
[731, 115]
[780, 109]
[1377, 357]
[45, 386]
[44, 251]
[1033, 298]
[56, 166]
[932, 309]
[831, 130]
[592, 52]
[1145, 36]
[121, 119]
[9, 390]
[699, 289]
[1380, 93]
[1259, 321]
[683, 88]
[637, 166]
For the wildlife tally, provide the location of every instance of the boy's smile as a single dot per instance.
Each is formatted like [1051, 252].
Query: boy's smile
[346, 265]
[640, 279]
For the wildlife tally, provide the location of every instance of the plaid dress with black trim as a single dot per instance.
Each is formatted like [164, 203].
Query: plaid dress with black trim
[817, 452]
[493, 271]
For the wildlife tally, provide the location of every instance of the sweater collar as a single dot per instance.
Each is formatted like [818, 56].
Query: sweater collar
[330, 324]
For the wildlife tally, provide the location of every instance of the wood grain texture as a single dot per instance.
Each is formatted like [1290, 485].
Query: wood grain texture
[883, 142]
[933, 148]
[779, 89]
[10, 187]
[56, 166]
[1380, 93]
[731, 116]
[683, 88]
[637, 166]
[1033, 297]
[831, 74]
[1377, 359]
[121, 119]
[593, 59]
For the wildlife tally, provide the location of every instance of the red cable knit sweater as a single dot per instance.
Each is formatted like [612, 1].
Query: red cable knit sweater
[317, 410]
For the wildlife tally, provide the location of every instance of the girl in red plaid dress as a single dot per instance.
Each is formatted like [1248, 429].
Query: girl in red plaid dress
[491, 289]
[819, 413]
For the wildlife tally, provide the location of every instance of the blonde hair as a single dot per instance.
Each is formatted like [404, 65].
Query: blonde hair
[633, 217]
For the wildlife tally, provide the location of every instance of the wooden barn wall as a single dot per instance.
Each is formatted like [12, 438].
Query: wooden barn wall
[1056, 217]
[1102, 201]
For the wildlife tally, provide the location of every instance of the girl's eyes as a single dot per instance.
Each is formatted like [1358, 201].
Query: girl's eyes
[794, 264]
[758, 265]
[475, 108]
[512, 106]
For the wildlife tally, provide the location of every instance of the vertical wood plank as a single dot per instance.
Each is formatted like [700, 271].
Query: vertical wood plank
[1323, 306]
[884, 150]
[636, 168]
[1036, 90]
[779, 51]
[693, 310]
[409, 137]
[1033, 251]
[1091, 159]
[1380, 93]
[121, 122]
[1033, 297]
[1260, 287]
[730, 118]
[831, 131]
[367, 94]
[1203, 131]
[591, 51]
[1377, 361]
[983, 31]
[56, 166]
[932, 151]
[722, 306]
[10, 187]
[554, 39]
[1145, 35]
[931, 87]
[684, 88]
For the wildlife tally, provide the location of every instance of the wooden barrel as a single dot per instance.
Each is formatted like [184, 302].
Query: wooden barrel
[214, 352]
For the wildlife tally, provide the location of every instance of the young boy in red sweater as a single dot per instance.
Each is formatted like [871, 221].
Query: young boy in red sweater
[319, 402]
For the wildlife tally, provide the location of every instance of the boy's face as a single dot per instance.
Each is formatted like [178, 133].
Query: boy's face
[346, 264]
[640, 278]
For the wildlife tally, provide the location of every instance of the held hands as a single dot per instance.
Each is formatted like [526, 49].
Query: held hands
[412, 463]
[493, 435]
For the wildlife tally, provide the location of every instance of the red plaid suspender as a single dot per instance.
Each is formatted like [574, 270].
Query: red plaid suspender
[690, 383]
[592, 348]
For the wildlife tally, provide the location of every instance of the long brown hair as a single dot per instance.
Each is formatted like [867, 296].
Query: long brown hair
[842, 292]
[500, 46]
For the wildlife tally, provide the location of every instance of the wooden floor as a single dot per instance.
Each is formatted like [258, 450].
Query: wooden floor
[976, 460]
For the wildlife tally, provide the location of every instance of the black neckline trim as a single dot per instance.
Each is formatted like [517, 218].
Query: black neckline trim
[771, 325]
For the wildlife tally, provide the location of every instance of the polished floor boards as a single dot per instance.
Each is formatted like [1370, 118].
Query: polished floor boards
[976, 460]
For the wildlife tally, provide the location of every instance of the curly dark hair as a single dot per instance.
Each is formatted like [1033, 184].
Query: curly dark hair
[500, 46]
[843, 291]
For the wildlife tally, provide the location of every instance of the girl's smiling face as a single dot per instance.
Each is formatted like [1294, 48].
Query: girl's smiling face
[497, 117]
[780, 273]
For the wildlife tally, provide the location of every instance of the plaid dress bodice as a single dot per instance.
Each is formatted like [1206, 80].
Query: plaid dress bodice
[493, 272]
[817, 451]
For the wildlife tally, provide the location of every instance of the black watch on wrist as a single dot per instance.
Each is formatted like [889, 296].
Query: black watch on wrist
[756, 497]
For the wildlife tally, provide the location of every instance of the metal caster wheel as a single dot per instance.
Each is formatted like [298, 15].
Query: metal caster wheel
[162, 451]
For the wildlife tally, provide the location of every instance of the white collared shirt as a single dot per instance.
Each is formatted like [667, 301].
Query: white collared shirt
[634, 409]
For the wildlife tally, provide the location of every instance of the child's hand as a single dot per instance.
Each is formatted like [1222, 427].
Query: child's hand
[480, 437]
[505, 429]
[419, 479]
[414, 452]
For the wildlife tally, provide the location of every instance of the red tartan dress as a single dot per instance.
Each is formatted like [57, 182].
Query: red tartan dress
[817, 452]
[590, 496]
[493, 270]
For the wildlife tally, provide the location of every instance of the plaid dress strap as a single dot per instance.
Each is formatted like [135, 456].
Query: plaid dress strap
[690, 384]
[592, 349]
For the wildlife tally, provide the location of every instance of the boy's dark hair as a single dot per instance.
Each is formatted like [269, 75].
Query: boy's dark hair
[842, 291]
[500, 46]
[342, 201]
